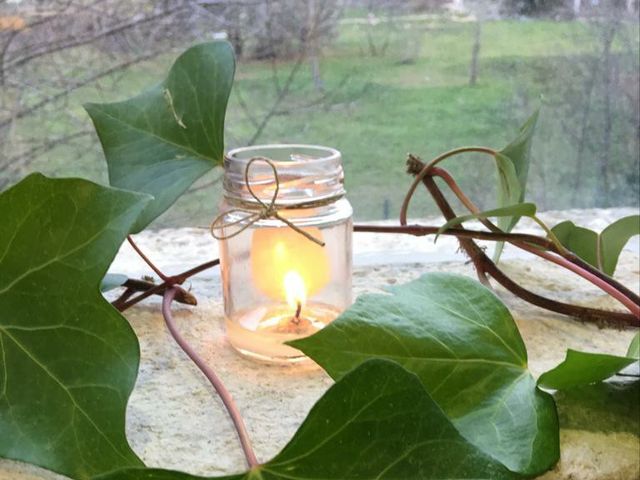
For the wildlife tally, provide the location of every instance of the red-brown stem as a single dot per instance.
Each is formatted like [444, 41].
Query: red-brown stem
[133, 286]
[494, 271]
[482, 261]
[576, 311]
[467, 245]
[466, 201]
[424, 230]
[126, 295]
[426, 169]
[518, 239]
[215, 381]
[571, 261]
[171, 281]
[146, 259]
[594, 271]
[181, 277]
[604, 286]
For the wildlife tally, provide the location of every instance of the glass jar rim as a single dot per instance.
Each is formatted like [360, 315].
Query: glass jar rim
[236, 154]
[306, 173]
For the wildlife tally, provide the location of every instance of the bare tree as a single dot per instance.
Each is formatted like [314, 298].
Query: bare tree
[50, 50]
[62, 46]
[597, 99]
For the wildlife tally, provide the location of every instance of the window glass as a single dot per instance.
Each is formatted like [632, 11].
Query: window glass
[375, 79]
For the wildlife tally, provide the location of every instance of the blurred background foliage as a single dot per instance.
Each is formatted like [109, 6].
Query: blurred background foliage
[374, 78]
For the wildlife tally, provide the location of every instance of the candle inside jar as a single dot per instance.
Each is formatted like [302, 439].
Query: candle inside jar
[261, 332]
[284, 276]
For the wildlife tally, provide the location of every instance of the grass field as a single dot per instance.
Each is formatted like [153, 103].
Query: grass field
[415, 98]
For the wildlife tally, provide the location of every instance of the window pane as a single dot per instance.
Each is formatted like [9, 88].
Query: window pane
[375, 79]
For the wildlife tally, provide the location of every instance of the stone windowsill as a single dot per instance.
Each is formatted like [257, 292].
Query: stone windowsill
[175, 421]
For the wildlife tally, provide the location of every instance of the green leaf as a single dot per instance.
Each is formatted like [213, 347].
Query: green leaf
[112, 281]
[583, 368]
[610, 406]
[68, 359]
[520, 209]
[634, 347]
[512, 190]
[614, 238]
[377, 422]
[599, 250]
[164, 139]
[463, 344]
[519, 152]
[581, 241]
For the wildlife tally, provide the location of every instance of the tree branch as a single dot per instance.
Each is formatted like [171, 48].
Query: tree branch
[75, 86]
[24, 158]
[281, 96]
[83, 40]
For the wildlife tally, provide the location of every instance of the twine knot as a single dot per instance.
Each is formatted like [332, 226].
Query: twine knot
[267, 210]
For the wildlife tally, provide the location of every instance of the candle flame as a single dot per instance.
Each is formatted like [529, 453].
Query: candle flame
[277, 251]
[294, 289]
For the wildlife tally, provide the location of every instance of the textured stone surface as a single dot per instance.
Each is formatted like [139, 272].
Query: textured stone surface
[175, 421]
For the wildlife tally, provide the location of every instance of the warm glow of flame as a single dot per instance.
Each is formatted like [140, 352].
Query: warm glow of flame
[294, 289]
[276, 253]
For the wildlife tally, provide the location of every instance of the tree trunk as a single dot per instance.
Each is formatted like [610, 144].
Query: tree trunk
[584, 127]
[605, 160]
[314, 46]
[576, 7]
[316, 73]
[475, 55]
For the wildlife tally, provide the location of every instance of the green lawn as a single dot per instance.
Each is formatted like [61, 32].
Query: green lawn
[416, 98]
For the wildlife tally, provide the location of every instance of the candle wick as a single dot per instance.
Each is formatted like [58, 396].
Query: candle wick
[296, 317]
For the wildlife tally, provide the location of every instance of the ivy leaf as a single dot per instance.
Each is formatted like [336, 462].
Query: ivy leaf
[112, 281]
[614, 238]
[518, 152]
[510, 190]
[68, 359]
[611, 406]
[377, 422]
[599, 250]
[581, 241]
[583, 368]
[164, 139]
[463, 344]
[519, 209]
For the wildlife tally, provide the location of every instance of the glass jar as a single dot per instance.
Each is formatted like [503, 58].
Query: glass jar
[279, 285]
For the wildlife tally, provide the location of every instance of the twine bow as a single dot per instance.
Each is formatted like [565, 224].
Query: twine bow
[267, 210]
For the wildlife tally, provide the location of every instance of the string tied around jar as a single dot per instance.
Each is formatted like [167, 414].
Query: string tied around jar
[267, 210]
